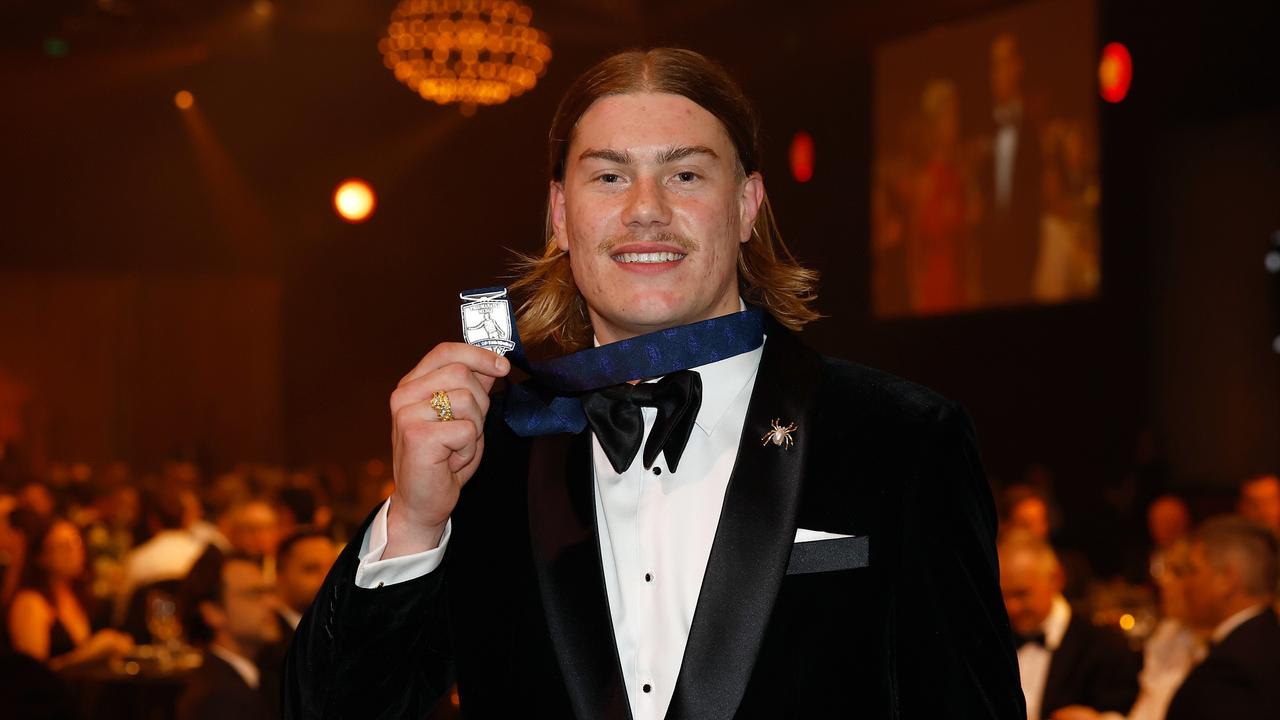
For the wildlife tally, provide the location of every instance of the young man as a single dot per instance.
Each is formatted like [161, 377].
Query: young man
[801, 537]
[229, 608]
[303, 559]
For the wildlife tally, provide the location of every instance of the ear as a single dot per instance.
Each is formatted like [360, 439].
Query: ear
[213, 614]
[556, 211]
[749, 199]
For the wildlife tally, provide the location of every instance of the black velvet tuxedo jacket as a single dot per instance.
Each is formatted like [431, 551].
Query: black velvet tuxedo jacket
[1093, 666]
[1239, 678]
[905, 620]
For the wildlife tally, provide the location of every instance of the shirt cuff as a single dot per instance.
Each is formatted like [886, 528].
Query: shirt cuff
[374, 572]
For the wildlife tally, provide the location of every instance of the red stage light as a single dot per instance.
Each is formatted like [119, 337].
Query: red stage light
[802, 157]
[1115, 72]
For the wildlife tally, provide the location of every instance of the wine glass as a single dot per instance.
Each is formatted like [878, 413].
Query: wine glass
[163, 624]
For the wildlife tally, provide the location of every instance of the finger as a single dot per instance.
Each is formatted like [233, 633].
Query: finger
[426, 443]
[454, 375]
[462, 404]
[485, 362]
[464, 454]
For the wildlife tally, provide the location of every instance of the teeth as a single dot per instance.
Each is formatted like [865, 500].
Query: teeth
[657, 257]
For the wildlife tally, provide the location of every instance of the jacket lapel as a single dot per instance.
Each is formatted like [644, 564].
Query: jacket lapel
[570, 576]
[753, 539]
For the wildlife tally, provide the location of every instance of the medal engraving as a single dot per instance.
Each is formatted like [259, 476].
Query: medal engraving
[486, 320]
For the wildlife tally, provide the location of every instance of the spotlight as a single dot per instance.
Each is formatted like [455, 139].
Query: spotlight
[354, 200]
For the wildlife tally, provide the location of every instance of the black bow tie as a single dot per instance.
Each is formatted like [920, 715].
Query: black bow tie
[1036, 638]
[615, 417]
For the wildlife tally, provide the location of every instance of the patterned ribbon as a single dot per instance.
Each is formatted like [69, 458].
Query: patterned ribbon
[548, 402]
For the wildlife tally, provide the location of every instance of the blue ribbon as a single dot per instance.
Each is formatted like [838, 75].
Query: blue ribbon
[548, 402]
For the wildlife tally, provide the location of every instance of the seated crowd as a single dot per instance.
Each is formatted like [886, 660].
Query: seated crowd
[93, 567]
[91, 572]
[1213, 649]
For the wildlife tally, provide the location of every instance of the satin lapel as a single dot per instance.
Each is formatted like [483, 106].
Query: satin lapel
[570, 576]
[753, 539]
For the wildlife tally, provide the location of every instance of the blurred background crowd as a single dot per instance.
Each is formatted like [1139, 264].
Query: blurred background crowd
[175, 594]
[194, 581]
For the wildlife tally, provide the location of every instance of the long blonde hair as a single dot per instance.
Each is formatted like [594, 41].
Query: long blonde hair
[769, 276]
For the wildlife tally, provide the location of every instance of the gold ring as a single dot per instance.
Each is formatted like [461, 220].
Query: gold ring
[440, 401]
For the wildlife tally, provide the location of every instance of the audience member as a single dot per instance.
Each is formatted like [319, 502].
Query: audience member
[252, 528]
[1175, 645]
[49, 619]
[304, 559]
[301, 505]
[112, 527]
[1026, 508]
[228, 608]
[1168, 522]
[1231, 587]
[1260, 501]
[167, 556]
[12, 548]
[201, 529]
[1070, 668]
[38, 498]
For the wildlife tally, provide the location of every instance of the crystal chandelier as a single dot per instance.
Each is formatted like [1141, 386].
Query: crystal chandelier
[470, 52]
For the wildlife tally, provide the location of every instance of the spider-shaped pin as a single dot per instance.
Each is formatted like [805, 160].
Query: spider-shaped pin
[779, 435]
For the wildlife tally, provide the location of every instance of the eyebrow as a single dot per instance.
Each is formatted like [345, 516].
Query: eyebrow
[663, 156]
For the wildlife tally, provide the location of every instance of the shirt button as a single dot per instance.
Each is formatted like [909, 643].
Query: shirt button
[647, 687]
[657, 470]
[648, 577]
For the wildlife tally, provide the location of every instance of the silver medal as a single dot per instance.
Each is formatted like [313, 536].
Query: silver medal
[486, 320]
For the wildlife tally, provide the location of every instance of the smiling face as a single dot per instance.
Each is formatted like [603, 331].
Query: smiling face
[652, 210]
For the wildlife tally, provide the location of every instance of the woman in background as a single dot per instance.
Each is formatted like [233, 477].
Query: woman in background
[49, 617]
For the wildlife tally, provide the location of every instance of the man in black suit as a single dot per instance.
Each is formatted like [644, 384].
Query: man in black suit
[302, 561]
[1010, 177]
[1071, 669]
[802, 537]
[229, 608]
[1230, 587]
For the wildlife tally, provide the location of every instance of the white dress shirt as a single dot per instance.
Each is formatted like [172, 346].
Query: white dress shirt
[168, 555]
[656, 533]
[1033, 660]
[1006, 150]
[1167, 657]
[657, 528]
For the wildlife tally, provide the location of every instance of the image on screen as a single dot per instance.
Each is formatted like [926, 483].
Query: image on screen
[985, 176]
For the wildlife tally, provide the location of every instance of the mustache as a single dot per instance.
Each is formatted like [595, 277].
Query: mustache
[685, 244]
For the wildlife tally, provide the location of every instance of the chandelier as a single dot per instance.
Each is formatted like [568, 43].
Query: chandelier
[470, 52]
